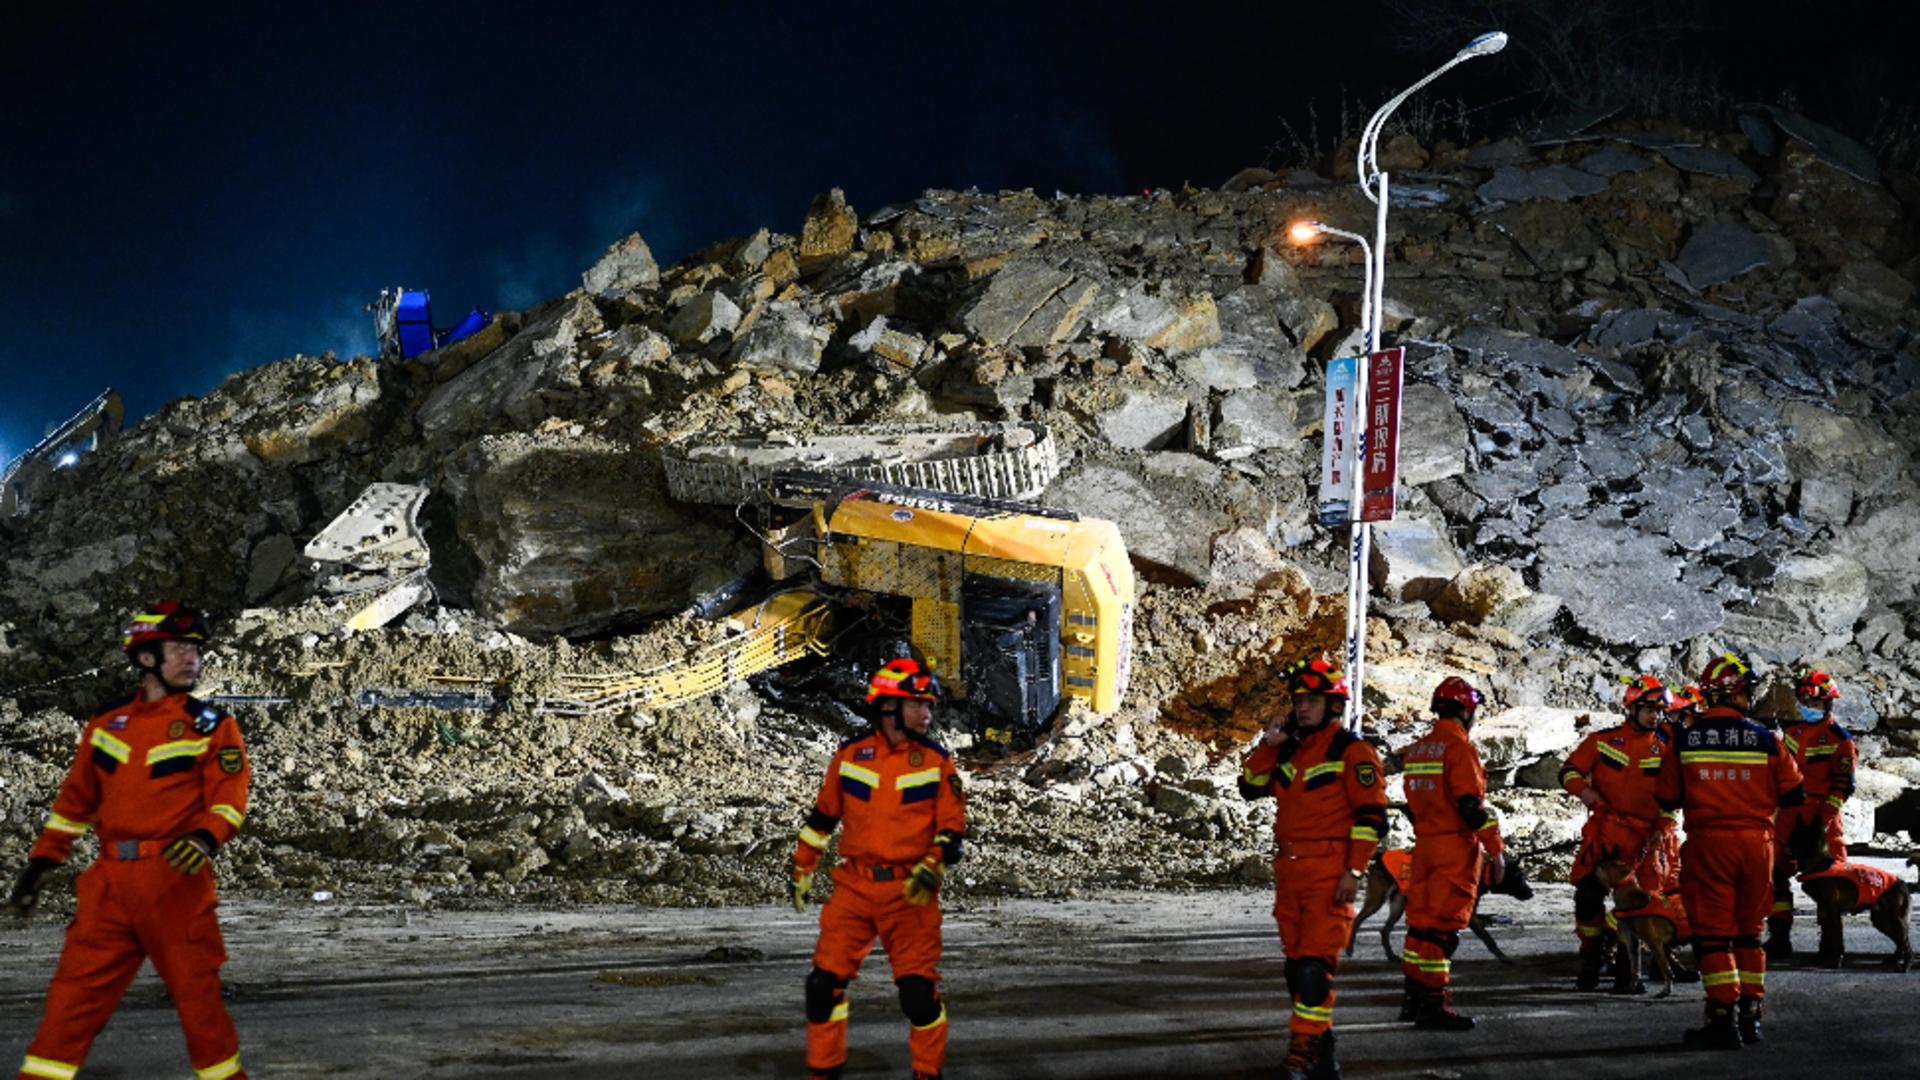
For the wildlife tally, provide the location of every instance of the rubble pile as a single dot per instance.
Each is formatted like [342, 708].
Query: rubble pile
[1661, 401]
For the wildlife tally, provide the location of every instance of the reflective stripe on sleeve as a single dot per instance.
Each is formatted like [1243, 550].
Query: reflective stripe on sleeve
[232, 816]
[813, 837]
[67, 825]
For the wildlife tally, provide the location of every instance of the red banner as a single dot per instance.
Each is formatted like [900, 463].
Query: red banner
[1380, 472]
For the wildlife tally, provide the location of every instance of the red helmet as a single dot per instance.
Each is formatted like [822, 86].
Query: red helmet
[1459, 691]
[1726, 674]
[168, 620]
[1646, 688]
[1317, 677]
[1683, 700]
[1817, 685]
[904, 678]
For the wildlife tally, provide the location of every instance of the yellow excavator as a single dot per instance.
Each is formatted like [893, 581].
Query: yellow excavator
[1017, 607]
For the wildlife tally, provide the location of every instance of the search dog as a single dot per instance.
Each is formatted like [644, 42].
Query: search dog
[1390, 868]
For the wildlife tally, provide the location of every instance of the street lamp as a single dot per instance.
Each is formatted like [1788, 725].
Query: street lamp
[1373, 184]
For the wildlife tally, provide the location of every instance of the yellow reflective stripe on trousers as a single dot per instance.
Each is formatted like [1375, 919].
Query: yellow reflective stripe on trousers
[233, 816]
[839, 1015]
[1425, 768]
[1752, 978]
[935, 1022]
[1425, 964]
[52, 1070]
[182, 748]
[1364, 832]
[916, 779]
[854, 772]
[115, 749]
[1723, 757]
[219, 1072]
[813, 837]
[1719, 978]
[1308, 1012]
[67, 825]
[1782, 906]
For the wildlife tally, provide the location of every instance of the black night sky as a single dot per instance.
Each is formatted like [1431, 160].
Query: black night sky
[187, 190]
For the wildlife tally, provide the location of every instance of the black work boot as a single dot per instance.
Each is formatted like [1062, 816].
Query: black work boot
[1410, 996]
[1625, 981]
[1719, 1032]
[1593, 953]
[1303, 1054]
[1325, 1065]
[1750, 1012]
[1436, 1014]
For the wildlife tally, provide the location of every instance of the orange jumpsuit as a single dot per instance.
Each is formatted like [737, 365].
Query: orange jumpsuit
[145, 774]
[1330, 811]
[897, 805]
[1622, 765]
[1733, 775]
[1447, 800]
[1827, 758]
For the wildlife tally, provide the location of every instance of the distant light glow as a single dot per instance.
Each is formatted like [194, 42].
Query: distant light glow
[69, 458]
[1304, 232]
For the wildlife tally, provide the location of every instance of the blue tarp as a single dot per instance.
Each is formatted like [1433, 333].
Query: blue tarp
[413, 316]
[476, 321]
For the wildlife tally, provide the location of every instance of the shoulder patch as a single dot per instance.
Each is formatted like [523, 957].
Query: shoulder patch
[1365, 774]
[231, 760]
[953, 781]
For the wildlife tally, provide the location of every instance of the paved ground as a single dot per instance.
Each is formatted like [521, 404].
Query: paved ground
[1131, 986]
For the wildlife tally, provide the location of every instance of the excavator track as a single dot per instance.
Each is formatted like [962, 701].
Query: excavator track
[993, 460]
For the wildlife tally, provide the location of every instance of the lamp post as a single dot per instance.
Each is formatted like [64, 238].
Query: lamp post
[1373, 184]
[1302, 234]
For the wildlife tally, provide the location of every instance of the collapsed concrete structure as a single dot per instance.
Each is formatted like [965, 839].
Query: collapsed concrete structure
[1662, 400]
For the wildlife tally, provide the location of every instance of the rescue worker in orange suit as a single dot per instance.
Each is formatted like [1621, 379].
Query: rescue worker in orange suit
[1733, 776]
[1330, 812]
[1613, 771]
[162, 779]
[1453, 830]
[898, 800]
[1828, 760]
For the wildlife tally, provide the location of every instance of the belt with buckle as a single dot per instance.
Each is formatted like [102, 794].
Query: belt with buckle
[126, 850]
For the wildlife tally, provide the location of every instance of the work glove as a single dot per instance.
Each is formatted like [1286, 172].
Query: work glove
[801, 885]
[26, 891]
[923, 882]
[191, 853]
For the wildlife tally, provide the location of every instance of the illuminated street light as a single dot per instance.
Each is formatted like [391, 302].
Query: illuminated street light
[1373, 184]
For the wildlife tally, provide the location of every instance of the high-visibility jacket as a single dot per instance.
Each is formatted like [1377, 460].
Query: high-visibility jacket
[1827, 758]
[151, 771]
[1733, 774]
[1869, 882]
[895, 805]
[1447, 787]
[1327, 785]
[1622, 764]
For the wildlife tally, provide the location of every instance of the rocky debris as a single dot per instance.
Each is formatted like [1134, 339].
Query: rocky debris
[626, 267]
[1654, 409]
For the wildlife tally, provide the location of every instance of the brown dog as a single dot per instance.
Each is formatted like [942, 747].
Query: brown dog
[1836, 889]
[1383, 890]
[1654, 921]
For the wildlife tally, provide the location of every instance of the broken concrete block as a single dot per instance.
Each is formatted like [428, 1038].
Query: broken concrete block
[1254, 420]
[1514, 736]
[1217, 370]
[1477, 592]
[1012, 297]
[891, 350]
[1143, 418]
[1719, 251]
[1433, 435]
[782, 339]
[626, 266]
[703, 318]
[1412, 559]
[830, 230]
